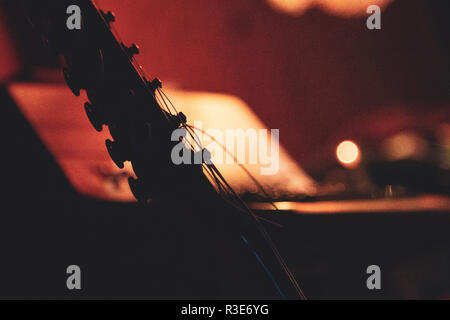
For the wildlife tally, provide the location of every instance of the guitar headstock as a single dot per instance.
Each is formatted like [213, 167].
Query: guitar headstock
[121, 98]
[125, 101]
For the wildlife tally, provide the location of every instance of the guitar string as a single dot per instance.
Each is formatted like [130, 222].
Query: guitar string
[183, 124]
[246, 242]
[236, 161]
[160, 104]
[213, 177]
[260, 226]
[226, 195]
[216, 181]
[245, 169]
[268, 240]
[197, 140]
[167, 110]
[211, 174]
[215, 171]
[276, 224]
[257, 183]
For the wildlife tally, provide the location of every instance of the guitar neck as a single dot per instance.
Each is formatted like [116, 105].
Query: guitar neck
[123, 100]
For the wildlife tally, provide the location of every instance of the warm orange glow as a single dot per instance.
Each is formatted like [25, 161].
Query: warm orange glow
[345, 8]
[81, 153]
[348, 153]
[405, 145]
[417, 204]
[295, 7]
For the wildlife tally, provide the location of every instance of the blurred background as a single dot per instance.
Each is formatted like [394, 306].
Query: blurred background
[364, 113]
[310, 68]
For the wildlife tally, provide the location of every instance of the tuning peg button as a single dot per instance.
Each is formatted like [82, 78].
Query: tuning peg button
[109, 16]
[157, 83]
[182, 117]
[154, 84]
[132, 50]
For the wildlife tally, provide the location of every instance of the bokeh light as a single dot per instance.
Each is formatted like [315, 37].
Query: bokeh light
[348, 154]
[405, 145]
[344, 8]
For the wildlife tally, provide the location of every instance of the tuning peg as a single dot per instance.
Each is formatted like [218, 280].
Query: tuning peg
[132, 50]
[178, 120]
[71, 82]
[154, 84]
[109, 16]
[182, 117]
[116, 153]
[92, 114]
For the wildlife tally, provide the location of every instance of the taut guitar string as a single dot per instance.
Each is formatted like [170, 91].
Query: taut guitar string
[223, 184]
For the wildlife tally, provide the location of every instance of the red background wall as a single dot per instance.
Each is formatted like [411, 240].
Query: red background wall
[317, 77]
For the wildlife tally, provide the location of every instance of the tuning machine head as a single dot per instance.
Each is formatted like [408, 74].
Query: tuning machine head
[132, 50]
[178, 120]
[182, 117]
[109, 16]
[154, 84]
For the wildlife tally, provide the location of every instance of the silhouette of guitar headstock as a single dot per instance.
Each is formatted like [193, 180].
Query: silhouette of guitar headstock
[121, 97]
